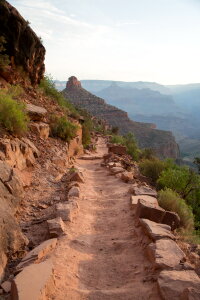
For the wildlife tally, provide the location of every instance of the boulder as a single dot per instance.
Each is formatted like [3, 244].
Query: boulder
[117, 170]
[148, 210]
[40, 129]
[144, 190]
[74, 192]
[172, 219]
[36, 113]
[37, 253]
[156, 231]
[165, 254]
[117, 149]
[127, 176]
[66, 210]
[148, 199]
[76, 176]
[35, 282]
[56, 227]
[173, 283]
[190, 294]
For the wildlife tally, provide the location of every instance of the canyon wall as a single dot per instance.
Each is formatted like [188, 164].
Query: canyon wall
[23, 47]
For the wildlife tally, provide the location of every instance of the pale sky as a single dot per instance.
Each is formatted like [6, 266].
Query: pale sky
[128, 40]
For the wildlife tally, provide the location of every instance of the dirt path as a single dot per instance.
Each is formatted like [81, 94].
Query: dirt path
[102, 257]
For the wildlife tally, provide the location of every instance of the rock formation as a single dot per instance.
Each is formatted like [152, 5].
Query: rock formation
[161, 141]
[23, 46]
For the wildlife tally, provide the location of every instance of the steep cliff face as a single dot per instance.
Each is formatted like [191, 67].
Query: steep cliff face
[24, 48]
[161, 141]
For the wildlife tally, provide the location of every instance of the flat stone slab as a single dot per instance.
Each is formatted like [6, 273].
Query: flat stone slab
[34, 282]
[148, 199]
[165, 254]
[37, 253]
[156, 231]
[144, 190]
[148, 210]
[173, 283]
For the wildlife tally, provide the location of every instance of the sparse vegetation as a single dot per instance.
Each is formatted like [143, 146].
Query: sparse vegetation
[170, 200]
[117, 139]
[152, 168]
[129, 141]
[63, 128]
[12, 114]
[48, 87]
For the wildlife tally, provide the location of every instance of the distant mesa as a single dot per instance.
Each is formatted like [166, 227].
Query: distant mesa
[73, 83]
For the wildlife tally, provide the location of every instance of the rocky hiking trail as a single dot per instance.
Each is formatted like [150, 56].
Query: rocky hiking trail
[102, 257]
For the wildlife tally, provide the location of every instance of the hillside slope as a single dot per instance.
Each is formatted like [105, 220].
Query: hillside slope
[162, 142]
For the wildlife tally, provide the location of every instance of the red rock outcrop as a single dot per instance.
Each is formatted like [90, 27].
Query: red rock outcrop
[73, 83]
[23, 46]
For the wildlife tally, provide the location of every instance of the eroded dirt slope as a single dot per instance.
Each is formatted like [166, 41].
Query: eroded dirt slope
[102, 255]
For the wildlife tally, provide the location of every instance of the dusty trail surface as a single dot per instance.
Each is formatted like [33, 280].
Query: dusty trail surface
[101, 257]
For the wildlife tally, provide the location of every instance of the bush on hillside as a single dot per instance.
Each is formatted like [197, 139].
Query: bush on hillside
[86, 132]
[171, 201]
[12, 114]
[180, 179]
[131, 145]
[63, 128]
[48, 87]
[147, 153]
[117, 139]
[152, 168]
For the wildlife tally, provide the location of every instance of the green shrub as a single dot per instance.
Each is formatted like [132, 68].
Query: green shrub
[48, 87]
[63, 128]
[12, 114]
[147, 153]
[152, 168]
[131, 145]
[117, 139]
[171, 201]
[180, 179]
[86, 132]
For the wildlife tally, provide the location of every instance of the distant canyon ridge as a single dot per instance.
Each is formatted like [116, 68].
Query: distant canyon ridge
[172, 108]
[147, 136]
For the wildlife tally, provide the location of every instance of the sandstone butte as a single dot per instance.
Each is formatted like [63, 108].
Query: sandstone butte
[80, 224]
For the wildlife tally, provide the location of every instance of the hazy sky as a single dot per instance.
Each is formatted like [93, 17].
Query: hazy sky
[130, 40]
